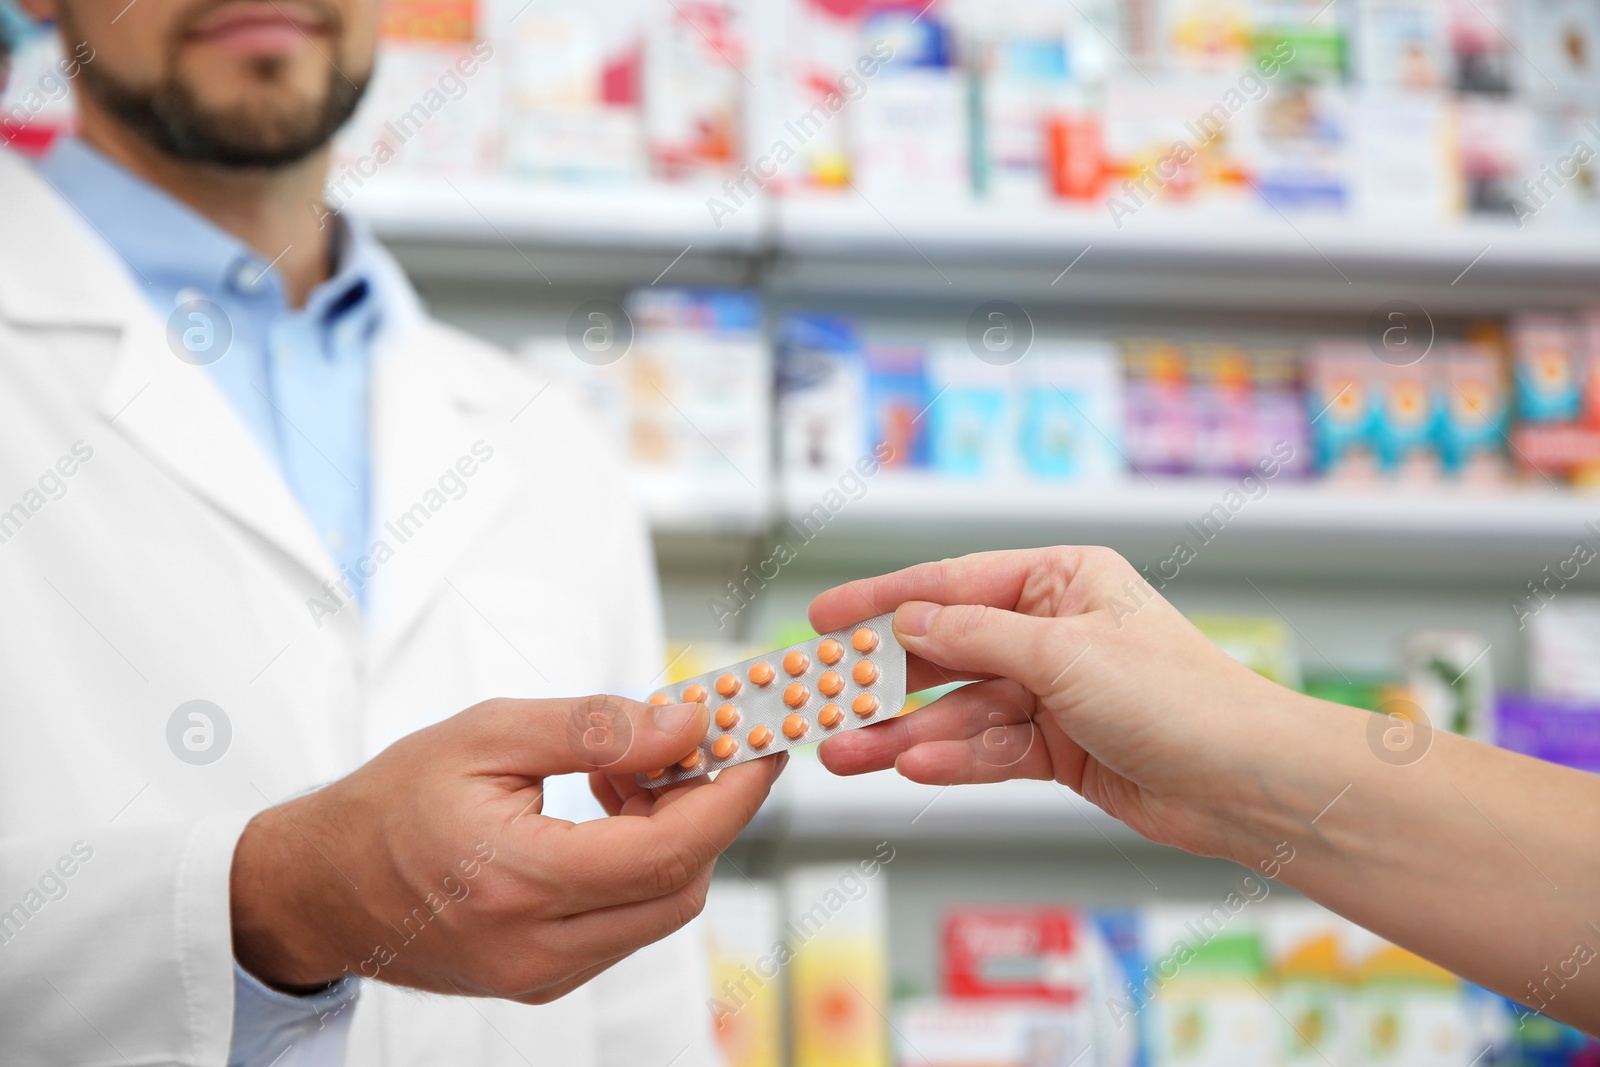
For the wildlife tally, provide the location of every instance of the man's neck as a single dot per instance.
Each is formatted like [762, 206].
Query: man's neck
[275, 212]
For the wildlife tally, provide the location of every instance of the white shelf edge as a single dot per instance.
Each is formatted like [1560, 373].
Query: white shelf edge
[907, 502]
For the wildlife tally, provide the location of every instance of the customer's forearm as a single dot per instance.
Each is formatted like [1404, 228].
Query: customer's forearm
[1464, 853]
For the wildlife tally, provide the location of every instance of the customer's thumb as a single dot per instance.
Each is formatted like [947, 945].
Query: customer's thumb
[977, 639]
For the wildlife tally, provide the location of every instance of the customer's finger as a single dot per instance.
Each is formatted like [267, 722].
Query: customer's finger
[995, 579]
[1038, 652]
[972, 711]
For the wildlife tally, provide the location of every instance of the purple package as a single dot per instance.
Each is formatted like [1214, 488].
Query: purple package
[1557, 731]
[1158, 405]
[1280, 416]
[1224, 410]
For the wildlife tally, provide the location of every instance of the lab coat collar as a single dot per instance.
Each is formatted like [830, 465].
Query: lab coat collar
[431, 401]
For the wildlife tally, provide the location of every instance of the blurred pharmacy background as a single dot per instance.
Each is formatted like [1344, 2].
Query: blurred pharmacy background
[1296, 304]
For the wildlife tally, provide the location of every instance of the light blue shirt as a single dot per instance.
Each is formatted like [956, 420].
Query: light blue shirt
[298, 378]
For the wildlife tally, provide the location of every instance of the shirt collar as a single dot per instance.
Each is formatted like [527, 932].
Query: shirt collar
[171, 247]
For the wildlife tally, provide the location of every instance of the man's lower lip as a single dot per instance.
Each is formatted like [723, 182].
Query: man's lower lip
[257, 38]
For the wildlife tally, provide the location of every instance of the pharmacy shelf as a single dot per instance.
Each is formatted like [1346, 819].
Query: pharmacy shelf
[495, 210]
[1244, 257]
[487, 228]
[813, 804]
[1308, 529]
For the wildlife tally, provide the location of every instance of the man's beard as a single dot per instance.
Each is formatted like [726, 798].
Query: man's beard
[170, 118]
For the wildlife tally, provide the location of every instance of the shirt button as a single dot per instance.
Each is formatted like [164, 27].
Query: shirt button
[249, 276]
[187, 295]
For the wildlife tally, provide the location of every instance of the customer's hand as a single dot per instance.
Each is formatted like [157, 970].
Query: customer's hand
[1093, 680]
[432, 867]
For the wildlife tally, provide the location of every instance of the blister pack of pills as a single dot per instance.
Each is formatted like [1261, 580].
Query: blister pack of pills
[791, 697]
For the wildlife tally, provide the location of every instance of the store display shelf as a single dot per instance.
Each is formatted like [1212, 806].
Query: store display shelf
[916, 512]
[814, 804]
[495, 210]
[903, 228]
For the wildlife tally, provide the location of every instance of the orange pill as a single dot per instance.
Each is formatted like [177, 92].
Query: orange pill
[727, 716]
[865, 705]
[865, 672]
[830, 652]
[864, 640]
[657, 774]
[796, 695]
[830, 716]
[696, 694]
[795, 727]
[691, 761]
[760, 737]
[660, 698]
[762, 674]
[728, 686]
[796, 663]
[831, 684]
[724, 747]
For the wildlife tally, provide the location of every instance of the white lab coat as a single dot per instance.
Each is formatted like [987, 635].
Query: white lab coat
[152, 556]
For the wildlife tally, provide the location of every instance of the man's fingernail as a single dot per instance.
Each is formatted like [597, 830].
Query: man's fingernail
[670, 718]
[913, 620]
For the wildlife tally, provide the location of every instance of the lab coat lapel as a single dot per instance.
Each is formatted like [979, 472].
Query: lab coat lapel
[432, 418]
[169, 409]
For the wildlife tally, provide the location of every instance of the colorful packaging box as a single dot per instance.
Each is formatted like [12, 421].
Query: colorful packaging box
[1405, 1010]
[1016, 954]
[1562, 635]
[938, 1032]
[837, 930]
[743, 947]
[1451, 675]
[1475, 413]
[1280, 415]
[1548, 375]
[1552, 729]
[1409, 422]
[1210, 1011]
[1072, 407]
[1344, 410]
[1402, 45]
[1305, 946]
[972, 427]
[897, 402]
[1159, 405]
[694, 81]
[821, 394]
[1226, 437]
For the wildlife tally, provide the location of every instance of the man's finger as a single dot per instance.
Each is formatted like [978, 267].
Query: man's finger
[538, 738]
[631, 858]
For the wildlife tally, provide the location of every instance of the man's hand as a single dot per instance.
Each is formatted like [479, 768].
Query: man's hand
[432, 867]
